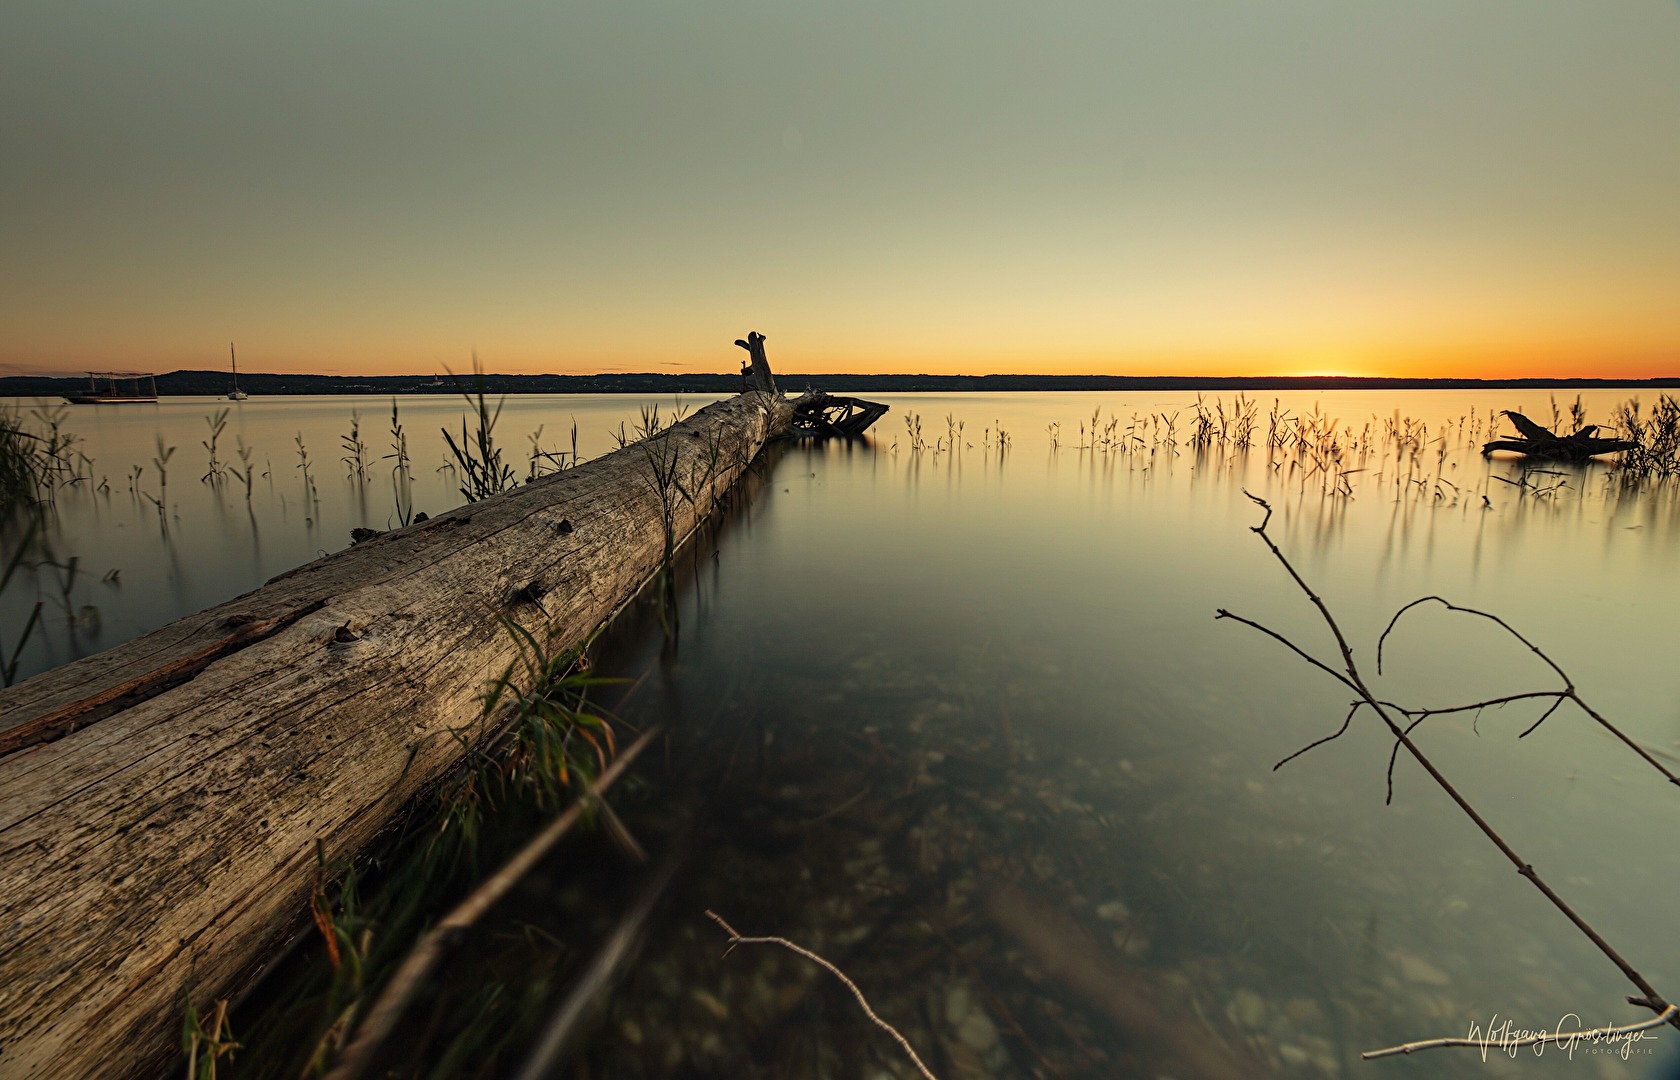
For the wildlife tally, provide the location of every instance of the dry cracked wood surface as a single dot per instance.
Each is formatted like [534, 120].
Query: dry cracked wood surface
[160, 803]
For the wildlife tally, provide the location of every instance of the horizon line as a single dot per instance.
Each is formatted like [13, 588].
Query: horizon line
[453, 379]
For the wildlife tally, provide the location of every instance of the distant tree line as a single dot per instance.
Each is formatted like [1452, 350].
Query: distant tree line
[213, 383]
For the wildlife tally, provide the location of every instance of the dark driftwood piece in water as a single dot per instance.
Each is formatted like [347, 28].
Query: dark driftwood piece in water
[1536, 441]
[160, 803]
[820, 414]
[816, 413]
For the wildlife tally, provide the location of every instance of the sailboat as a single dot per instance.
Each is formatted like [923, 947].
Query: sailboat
[236, 394]
[120, 386]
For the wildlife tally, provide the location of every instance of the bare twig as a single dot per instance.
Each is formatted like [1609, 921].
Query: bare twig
[1338, 733]
[735, 939]
[1568, 693]
[1350, 676]
[1507, 1045]
[1296, 649]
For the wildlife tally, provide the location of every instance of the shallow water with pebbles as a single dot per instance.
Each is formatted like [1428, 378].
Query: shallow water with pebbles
[960, 720]
[998, 763]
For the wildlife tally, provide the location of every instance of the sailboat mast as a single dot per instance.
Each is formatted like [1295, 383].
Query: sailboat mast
[234, 362]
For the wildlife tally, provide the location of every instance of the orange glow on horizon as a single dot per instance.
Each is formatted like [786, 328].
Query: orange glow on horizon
[1643, 364]
[819, 350]
[1646, 363]
[1350, 191]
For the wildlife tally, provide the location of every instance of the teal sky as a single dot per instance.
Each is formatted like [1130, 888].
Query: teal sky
[1214, 186]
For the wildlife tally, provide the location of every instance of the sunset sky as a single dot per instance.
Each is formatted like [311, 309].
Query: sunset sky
[1219, 187]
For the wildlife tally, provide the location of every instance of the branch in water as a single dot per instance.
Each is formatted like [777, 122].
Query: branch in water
[735, 939]
[1351, 677]
[1507, 1045]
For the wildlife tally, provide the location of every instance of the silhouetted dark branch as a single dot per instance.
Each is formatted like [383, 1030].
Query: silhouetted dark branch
[1536, 441]
[1568, 692]
[1291, 646]
[1488, 703]
[1338, 733]
[1402, 736]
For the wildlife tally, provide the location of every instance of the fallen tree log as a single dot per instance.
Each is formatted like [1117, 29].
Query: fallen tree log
[1537, 441]
[161, 803]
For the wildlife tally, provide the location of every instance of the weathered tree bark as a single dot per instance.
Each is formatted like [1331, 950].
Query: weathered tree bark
[160, 803]
[758, 374]
[815, 413]
[1536, 441]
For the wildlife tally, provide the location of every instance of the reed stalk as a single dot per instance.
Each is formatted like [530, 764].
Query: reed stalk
[355, 450]
[309, 495]
[25, 469]
[477, 455]
[9, 661]
[402, 474]
[217, 424]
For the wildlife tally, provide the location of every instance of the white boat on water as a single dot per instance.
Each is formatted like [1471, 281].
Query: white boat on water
[235, 394]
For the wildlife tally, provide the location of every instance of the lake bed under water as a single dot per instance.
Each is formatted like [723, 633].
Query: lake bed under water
[962, 720]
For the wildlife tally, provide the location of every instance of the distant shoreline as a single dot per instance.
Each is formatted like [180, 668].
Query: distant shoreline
[217, 383]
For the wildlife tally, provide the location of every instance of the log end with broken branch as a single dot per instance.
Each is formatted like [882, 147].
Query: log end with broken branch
[218, 751]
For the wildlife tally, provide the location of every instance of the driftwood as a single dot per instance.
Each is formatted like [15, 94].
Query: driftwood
[1536, 441]
[818, 414]
[757, 373]
[736, 938]
[161, 803]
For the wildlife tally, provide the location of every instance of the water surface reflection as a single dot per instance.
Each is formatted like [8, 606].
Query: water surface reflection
[937, 698]
[960, 718]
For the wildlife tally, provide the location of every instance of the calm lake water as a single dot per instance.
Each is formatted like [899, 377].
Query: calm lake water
[211, 542]
[963, 722]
